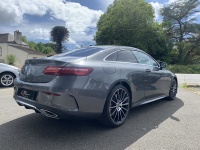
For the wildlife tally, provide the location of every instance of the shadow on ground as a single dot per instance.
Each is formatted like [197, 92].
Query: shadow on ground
[37, 132]
[5, 87]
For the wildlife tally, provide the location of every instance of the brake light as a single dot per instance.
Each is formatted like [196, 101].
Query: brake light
[52, 70]
[66, 71]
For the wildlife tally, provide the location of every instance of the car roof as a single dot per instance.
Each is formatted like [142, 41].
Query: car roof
[100, 52]
[110, 46]
[106, 47]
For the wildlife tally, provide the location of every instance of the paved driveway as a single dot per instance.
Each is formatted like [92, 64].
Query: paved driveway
[155, 126]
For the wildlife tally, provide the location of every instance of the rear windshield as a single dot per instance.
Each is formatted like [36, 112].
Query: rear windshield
[81, 52]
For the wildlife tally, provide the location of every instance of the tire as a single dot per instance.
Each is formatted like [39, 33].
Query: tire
[117, 107]
[173, 90]
[36, 111]
[7, 80]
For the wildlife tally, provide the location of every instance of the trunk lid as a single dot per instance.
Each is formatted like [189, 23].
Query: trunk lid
[33, 68]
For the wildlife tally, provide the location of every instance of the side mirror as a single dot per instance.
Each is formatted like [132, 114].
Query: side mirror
[163, 64]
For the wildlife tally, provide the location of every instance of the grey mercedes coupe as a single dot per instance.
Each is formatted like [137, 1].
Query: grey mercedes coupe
[103, 82]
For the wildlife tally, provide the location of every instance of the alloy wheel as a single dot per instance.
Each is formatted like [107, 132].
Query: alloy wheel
[7, 80]
[119, 105]
[173, 89]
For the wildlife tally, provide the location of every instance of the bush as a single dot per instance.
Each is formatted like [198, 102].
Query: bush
[187, 69]
[11, 59]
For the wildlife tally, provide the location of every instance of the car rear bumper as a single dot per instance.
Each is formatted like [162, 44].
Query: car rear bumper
[55, 113]
[76, 101]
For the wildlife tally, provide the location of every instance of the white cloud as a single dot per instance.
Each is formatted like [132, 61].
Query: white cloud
[40, 33]
[171, 1]
[78, 19]
[157, 6]
[9, 12]
[71, 41]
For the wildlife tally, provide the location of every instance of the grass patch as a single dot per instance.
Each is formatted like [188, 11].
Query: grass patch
[184, 85]
[11, 59]
[186, 69]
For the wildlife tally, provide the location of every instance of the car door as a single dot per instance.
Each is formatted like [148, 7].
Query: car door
[153, 75]
[132, 73]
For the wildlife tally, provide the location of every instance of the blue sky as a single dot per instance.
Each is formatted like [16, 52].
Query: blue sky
[35, 18]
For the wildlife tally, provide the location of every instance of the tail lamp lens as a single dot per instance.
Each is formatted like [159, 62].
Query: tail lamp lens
[66, 71]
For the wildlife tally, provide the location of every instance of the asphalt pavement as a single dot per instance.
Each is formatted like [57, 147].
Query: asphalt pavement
[160, 125]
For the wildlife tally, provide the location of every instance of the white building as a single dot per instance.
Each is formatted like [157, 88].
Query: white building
[10, 44]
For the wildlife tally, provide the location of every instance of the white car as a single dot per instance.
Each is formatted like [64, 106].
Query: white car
[7, 75]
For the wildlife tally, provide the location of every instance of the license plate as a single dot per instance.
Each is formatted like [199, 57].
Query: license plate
[29, 94]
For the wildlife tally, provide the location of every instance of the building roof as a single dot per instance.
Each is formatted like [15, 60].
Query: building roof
[4, 38]
[28, 50]
[8, 38]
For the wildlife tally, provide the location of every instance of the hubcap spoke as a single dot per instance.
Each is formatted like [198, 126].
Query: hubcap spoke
[125, 99]
[114, 101]
[125, 104]
[113, 107]
[173, 89]
[123, 112]
[7, 80]
[116, 96]
[124, 108]
[115, 115]
[123, 95]
[113, 112]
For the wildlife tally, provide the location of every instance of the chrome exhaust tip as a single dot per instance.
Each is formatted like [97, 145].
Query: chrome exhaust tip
[43, 111]
[48, 113]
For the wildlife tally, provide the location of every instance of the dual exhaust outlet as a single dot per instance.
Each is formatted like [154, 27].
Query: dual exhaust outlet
[48, 113]
[45, 112]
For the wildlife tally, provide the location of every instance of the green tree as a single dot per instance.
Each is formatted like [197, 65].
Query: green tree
[179, 21]
[58, 35]
[131, 23]
[52, 45]
[46, 48]
[32, 45]
[40, 47]
[24, 39]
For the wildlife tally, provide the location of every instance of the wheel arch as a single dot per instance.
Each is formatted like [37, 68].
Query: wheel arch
[8, 72]
[175, 77]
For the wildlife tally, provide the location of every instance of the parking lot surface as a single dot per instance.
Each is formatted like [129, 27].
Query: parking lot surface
[159, 125]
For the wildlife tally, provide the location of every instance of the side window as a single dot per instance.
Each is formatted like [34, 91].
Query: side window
[112, 57]
[126, 56]
[144, 59]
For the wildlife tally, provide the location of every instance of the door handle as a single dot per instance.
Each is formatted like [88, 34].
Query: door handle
[148, 70]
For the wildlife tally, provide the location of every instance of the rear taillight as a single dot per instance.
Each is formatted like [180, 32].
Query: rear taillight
[66, 71]
[75, 71]
[52, 70]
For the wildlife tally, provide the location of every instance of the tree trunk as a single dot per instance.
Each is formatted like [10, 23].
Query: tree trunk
[59, 49]
[180, 44]
[180, 55]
